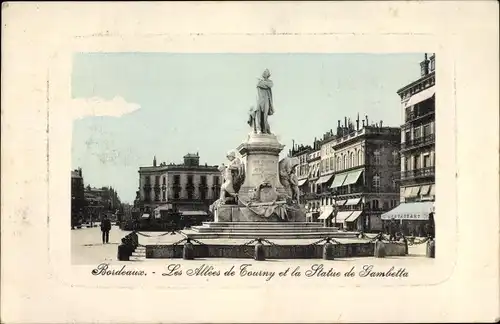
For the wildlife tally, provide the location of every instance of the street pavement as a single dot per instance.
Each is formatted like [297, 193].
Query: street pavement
[87, 247]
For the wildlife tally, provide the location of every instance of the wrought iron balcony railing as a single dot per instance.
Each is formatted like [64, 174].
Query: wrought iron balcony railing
[417, 142]
[418, 173]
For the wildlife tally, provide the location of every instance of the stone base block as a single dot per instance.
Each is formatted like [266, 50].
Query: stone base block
[232, 213]
[302, 251]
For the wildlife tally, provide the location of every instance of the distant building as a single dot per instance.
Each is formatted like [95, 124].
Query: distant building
[417, 184]
[77, 194]
[302, 171]
[186, 187]
[99, 201]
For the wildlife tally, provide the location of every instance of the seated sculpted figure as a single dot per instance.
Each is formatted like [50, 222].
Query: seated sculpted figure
[232, 175]
[288, 178]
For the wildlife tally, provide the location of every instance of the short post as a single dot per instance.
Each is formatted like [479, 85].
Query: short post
[328, 250]
[405, 241]
[124, 251]
[259, 251]
[188, 250]
[379, 248]
[431, 248]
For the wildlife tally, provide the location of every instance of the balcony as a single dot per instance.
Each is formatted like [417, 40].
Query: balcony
[418, 173]
[418, 142]
[414, 116]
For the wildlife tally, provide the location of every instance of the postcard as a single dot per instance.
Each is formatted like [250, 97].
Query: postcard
[250, 162]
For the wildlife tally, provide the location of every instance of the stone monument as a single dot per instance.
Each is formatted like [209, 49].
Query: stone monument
[257, 186]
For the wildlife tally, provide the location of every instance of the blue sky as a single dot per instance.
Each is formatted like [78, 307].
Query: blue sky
[199, 103]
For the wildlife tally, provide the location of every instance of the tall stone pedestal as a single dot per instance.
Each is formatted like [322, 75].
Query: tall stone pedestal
[261, 157]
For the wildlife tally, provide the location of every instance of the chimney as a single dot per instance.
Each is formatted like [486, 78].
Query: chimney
[357, 123]
[381, 123]
[366, 116]
[154, 161]
[363, 123]
[345, 121]
[424, 66]
[80, 172]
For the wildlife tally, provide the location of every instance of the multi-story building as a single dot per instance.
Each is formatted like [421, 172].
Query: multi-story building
[77, 196]
[302, 171]
[187, 187]
[100, 201]
[366, 160]
[417, 183]
[313, 196]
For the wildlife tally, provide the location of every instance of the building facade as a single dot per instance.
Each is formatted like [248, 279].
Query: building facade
[352, 175]
[418, 158]
[365, 184]
[302, 171]
[186, 187]
[77, 196]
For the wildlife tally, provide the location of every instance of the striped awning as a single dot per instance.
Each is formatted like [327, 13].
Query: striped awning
[194, 213]
[341, 216]
[340, 202]
[352, 177]
[424, 190]
[433, 190]
[354, 216]
[339, 180]
[410, 211]
[352, 202]
[421, 96]
[324, 179]
[327, 212]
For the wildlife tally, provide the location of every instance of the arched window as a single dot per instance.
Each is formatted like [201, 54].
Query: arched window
[338, 163]
[375, 205]
[351, 160]
[360, 155]
[344, 161]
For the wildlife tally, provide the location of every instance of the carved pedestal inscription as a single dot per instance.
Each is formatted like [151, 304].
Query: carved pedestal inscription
[263, 170]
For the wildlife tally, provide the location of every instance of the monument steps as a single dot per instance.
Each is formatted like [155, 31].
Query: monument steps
[139, 254]
[249, 230]
[274, 229]
[262, 225]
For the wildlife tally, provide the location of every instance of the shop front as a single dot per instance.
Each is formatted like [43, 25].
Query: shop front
[411, 218]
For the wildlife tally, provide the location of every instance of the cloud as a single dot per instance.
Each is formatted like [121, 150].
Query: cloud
[96, 106]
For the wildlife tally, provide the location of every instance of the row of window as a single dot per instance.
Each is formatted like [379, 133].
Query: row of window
[347, 161]
[418, 132]
[177, 193]
[373, 204]
[419, 161]
[177, 179]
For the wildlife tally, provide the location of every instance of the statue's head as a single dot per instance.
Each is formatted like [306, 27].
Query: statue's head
[231, 155]
[221, 167]
[266, 74]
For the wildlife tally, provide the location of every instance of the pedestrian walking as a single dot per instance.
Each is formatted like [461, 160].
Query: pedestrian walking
[105, 228]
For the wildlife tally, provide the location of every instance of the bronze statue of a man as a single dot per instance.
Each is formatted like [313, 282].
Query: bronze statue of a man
[265, 106]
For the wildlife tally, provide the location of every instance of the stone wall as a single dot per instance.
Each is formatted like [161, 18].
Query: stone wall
[272, 252]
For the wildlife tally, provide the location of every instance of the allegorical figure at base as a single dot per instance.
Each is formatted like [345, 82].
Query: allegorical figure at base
[232, 175]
